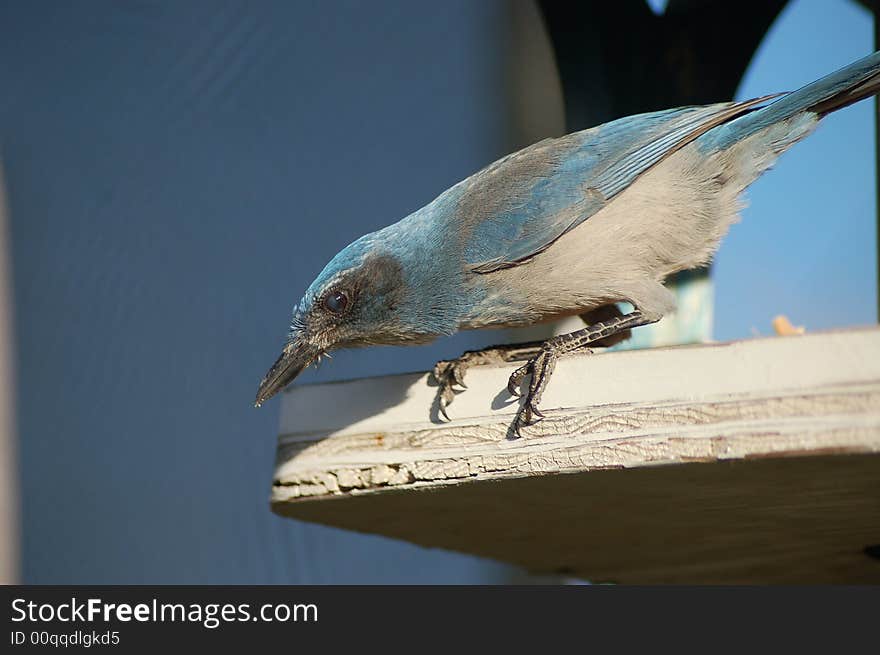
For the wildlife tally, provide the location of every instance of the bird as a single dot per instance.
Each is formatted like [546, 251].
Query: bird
[569, 226]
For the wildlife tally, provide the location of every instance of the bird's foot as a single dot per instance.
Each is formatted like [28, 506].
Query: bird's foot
[450, 374]
[540, 358]
[540, 369]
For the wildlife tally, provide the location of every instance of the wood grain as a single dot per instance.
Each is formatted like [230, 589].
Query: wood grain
[770, 447]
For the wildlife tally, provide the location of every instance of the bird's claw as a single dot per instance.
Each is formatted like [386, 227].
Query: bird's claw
[446, 382]
[526, 417]
[540, 367]
[517, 377]
[448, 375]
[458, 375]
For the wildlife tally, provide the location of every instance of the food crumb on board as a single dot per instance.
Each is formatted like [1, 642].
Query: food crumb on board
[783, 327]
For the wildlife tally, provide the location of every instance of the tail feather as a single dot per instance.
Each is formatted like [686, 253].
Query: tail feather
[852, 83]
[868, 88]
[843, 87]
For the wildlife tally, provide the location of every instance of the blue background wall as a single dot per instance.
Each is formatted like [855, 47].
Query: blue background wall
[177, 173]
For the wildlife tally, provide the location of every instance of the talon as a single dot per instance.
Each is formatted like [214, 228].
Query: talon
[458, 375]
[523, 420]
[450, 376]
[515, 378]
[525, 417]
[447, 395]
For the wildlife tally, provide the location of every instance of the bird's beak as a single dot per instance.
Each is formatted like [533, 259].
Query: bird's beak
[296, 355]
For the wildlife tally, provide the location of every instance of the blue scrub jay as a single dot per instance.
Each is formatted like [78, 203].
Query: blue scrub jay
[557, 229]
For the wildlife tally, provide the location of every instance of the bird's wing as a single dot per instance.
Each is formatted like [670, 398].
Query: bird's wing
[518, 206]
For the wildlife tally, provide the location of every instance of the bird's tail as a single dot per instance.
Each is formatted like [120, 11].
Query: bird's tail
[859, 80]
[852, 83]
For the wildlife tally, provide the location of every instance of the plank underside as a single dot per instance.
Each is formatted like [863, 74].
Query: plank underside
[755, 461]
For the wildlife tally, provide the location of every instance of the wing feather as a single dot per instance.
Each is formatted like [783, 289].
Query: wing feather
[517, 207]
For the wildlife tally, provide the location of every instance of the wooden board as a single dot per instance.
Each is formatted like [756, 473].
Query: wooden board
[755, 461]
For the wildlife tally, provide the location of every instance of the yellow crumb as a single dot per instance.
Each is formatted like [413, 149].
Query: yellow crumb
[783, 327]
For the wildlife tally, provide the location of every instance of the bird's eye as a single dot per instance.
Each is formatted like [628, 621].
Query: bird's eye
[336, 301]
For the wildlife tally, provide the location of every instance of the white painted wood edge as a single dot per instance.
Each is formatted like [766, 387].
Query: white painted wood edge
[816, 393]
[753, 366]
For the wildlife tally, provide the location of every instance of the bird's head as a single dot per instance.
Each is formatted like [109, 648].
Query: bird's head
[355, 301]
